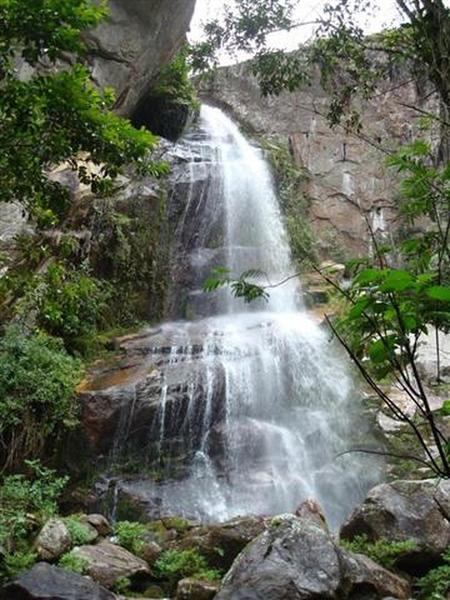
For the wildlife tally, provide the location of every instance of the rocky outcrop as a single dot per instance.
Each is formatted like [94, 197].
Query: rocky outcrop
[107, 562]
[45, 582]
[53, 540]
[416, 511]
[348, 179]
[297, 559]
[129, 48]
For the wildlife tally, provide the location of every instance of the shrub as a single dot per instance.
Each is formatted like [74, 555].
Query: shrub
[436, 583]
[129, 535]
[174, 565]
[67, 303]
[17, 562]
[72, 562]
[25, 504]
[80, 533]
[381, 551]
[37, 381]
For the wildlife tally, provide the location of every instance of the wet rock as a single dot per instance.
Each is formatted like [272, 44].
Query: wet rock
[297, 559]
[294, 559]
[106, 563]
[150, 551]
[406, 510]
[46, 582]
[99, 522]
[193, 589]
[220, 544]
[364, 579]
[53, 540]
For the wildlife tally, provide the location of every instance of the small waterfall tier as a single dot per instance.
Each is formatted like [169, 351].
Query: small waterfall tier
[247, 408]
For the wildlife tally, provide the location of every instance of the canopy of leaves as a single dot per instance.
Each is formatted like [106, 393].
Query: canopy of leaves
[56, 117]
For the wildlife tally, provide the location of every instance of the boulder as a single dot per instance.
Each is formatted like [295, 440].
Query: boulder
[53, 540]
[296, 558]
[406, 510]
[194, 589]
[98, 522]
[220, 544]
[364, 579]
[106, 563]
[150, 551]
[46, 582]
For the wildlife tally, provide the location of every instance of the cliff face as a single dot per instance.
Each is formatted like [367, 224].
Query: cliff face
[348, 181]
[138, 38]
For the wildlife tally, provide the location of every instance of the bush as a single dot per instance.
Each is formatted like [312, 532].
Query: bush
[80, 533]
[129, 535]
[37, 382]
[74, 563]
[26, 502]
[174, 565]
[381, 551]
[67, 303]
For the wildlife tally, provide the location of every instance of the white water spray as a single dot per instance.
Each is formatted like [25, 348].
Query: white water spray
[271, 405]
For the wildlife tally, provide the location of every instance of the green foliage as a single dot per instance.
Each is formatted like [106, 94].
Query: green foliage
[37, 381]
[45, 27]
[174, 565]
[72, 562]
[26, 502]
[381, 551]
[174, 83]
[17, 562]
[129, 535]
[67, 303]
[122, 585]
[52, 118]
[241, 287]
[294, 201]
[80, 533]
[435, 585]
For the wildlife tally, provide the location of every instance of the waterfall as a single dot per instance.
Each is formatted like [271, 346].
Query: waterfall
[269, 409]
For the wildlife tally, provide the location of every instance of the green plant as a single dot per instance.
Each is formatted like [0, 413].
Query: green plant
[26, 502]
[381, 551]
[122, 585]
[174, 82]
[174, 565]
[80, 533]
[53, 117]
[129, 535]
[72, 562]
[37, 382]
[435, 585]
[66, 303]
[17, 562]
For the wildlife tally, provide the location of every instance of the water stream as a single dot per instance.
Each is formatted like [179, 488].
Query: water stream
[271, 405]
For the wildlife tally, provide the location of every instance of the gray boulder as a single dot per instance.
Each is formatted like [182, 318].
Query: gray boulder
[46, 582]
[53, 540]
[106, 563]
[297, 559]
[193, 589]
[294, 559]
[98, 522]
[406, 510]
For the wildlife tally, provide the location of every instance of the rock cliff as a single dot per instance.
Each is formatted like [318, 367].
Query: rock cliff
[129, 48]
[348, 178]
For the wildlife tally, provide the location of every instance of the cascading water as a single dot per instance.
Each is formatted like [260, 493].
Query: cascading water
[270, 409]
